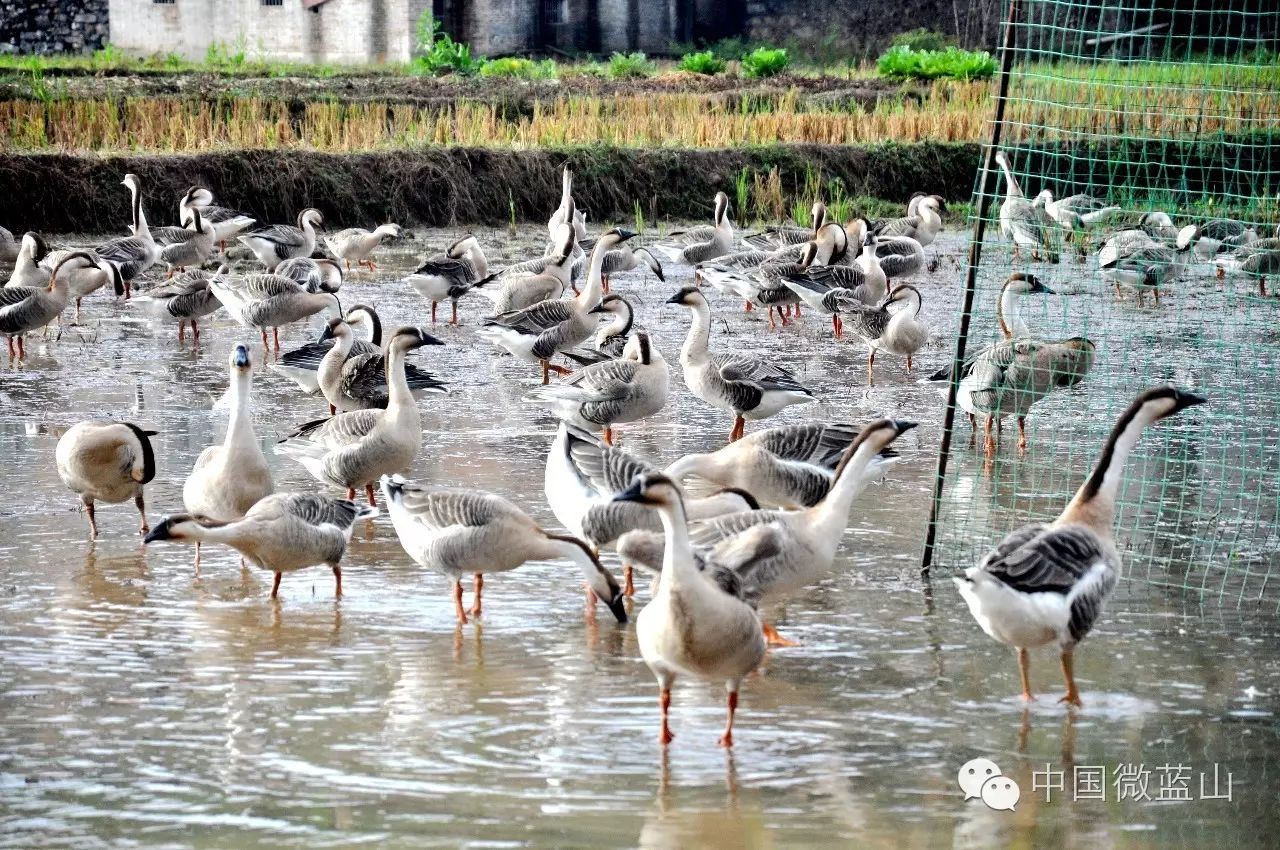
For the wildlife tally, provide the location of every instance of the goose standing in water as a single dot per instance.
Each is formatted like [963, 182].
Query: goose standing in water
[745, 386]
[186, 298]
[778, 553]
[467, 532]
[461, 268]
[611, 392]
[229, 479]
[380, 442]
[1134, 259]
[923, 225]
[134, 254]
[282, 533]
[1022, 222]
[85, 281]
[583, 475]
[226, 222]
[359, 382]
[189, 247]
[703, 243]
[539, 332]
[29, 267]
[302, 365]
[268, 301]
[1217, 234]
[895, 256]
[780, 237]
[313, 275]
[625, 259]
[272, 245]
[691, 626]
[765, 285]
[356, 243]
[567, 212]
[897, 331]
[102, 461]
[832, 289]
[1048, 583]
[24, 309]
[788, 466]
[1076, 214]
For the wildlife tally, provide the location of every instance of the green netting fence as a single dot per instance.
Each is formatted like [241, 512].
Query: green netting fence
[1173, 107]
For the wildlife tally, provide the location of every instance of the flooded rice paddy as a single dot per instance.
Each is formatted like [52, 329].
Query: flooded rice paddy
[145, 706]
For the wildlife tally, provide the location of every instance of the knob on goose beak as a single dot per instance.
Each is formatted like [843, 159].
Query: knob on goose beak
[240, 357]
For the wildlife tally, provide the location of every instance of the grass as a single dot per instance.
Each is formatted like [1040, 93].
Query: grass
[904, 62]
[764, 62]
[705, 62]
[631, 65]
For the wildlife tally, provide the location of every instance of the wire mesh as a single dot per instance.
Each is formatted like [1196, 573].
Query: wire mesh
[1170, 107]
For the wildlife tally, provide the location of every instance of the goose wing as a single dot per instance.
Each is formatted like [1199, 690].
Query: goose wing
[541, 317]
[340, 430]
[870, 323]
[314, 510]
[605, 469]
[713, 531]
[819, 444]
[123, 250]
[743, 369]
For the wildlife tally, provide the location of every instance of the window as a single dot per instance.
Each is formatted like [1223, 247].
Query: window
[272, 2]
[164, 2]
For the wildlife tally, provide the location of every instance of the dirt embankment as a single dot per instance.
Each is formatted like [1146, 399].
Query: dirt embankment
[447, 186]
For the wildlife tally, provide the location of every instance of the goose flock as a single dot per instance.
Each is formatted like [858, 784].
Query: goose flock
[727, 534]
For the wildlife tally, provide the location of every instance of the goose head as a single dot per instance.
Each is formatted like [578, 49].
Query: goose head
[330, 274]
[612, 303]
[903, 293]
[1161, 402]
[876, 438]
[1045, 197]
[72, 262]
[198, 196]
[336, 329]
[653, 489]
[722, 208]
[640, 349]
[363, 314]
[1002, 158]
[652, 262]
[1025, 284]
[938, 204]
[113, 273]
[132, 182]
[818, 214]
[810, 253]
[34, 246]
[180, 527]
[689, 296]
[615, 237]
[240, 362]
[460, 248]
[410, 338]
[1187, 237]
[599, 579]
[310, 216]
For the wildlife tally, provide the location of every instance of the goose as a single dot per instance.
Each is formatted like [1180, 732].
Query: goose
[601, 395]
[583, 475]
[1260, 260]
[24, 309]
[829, 289]
[187, 297]
[226, 222]
[923, 225]
[313, 275]
[746, 386]
[85, 281]
[537, 333]
[302, 365]
[359, 382]
[897, 331]
[469, 532]
[1047, 583]
[134, 254]
[1215, 235]
[271, 245]
[1143, 263]
[699, 244]
[625, 259]
[29, 268]
[192, 247]
[895, 257]
[268, 301]
[779, 237]
[282, 533]
[8, 247]
[691, 626]
[104, 461]
[765, 285]
[788, 466]
[610, 338]
[388, 439]
[461, 268]
[229, 479]
[1077, 213]
[567, 212]
[1159, 226]
[356, 243]
[777, 553]
[1022, 222]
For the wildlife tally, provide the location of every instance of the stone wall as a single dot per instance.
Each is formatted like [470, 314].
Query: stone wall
[862, 28]
[53, 26]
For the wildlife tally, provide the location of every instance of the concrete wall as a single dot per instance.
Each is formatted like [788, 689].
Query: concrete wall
[337, 31]
[864, 27]
[52, 26]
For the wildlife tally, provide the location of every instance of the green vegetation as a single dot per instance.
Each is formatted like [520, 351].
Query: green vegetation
[705, 62]
[525, 69]
[439, 53]
[764, 62]
[629, 65]
[902, 62]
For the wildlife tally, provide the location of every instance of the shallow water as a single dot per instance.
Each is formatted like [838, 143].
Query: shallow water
[146, 706]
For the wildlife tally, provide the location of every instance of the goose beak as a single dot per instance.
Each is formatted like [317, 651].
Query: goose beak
[624, 234]
[902, 426]
[617, 607]
[1185, 399]
[160, 532]
[240, 359]
[327, 333]
[599, 308]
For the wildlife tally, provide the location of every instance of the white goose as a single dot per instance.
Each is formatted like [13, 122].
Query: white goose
[700, 244]
[102, 461]
[229, 479]
[356, 243]
[30, 266]
[467, 532]
[226, 222]
[567, 212]
[691, 626]
[272, 245]
[1023, 223]
[740, 384]
[1048, 583]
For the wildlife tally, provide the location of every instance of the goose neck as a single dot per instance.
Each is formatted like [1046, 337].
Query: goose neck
[1094, 503]
[677, 557]
[832, 513]
[240, 428]
[696, 343]
[1008, 316]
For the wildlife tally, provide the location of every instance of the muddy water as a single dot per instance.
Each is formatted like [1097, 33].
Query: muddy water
[145, 706]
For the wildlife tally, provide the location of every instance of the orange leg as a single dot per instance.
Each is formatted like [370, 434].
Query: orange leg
[871, 362]
[739, 425]
[351, 494]
[1022, 434]
[275, 332]
[195, 330]
[726, 740]
[182, 326]
[546, 373]
[747, 308]
[608, 435]
[454, 319]
[275, 585]
[434, 304]
[22, 348]
[604, 283]
[1024, 671]
[774, 638]
[368, 492]
[141, 505]
[337, 582]
[93, 522]
[664, 701]
[479, 588]
[628, 581]
[1072, 696]
[989, 444]
[457, 603]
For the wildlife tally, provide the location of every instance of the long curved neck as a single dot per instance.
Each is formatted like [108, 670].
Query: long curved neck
[1011, 323]
[677, 556]
[620, 326]
[566, 190]
[240, 429]
[1010, 182]
[831, 515]
[706, 465]
[594, 290]
[398, 394]
[695, 345]
[140, 228]
[1094, 503]
[478, 260]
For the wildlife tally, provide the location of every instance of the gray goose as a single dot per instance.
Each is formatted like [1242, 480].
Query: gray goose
[780, 237]
[277, 243]
[187, 298]
[461, 268]
[269, 301]
[24, 309]
[102, 461]
[132, 255]
[302, 365]
[226, 222]
[359, 381]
